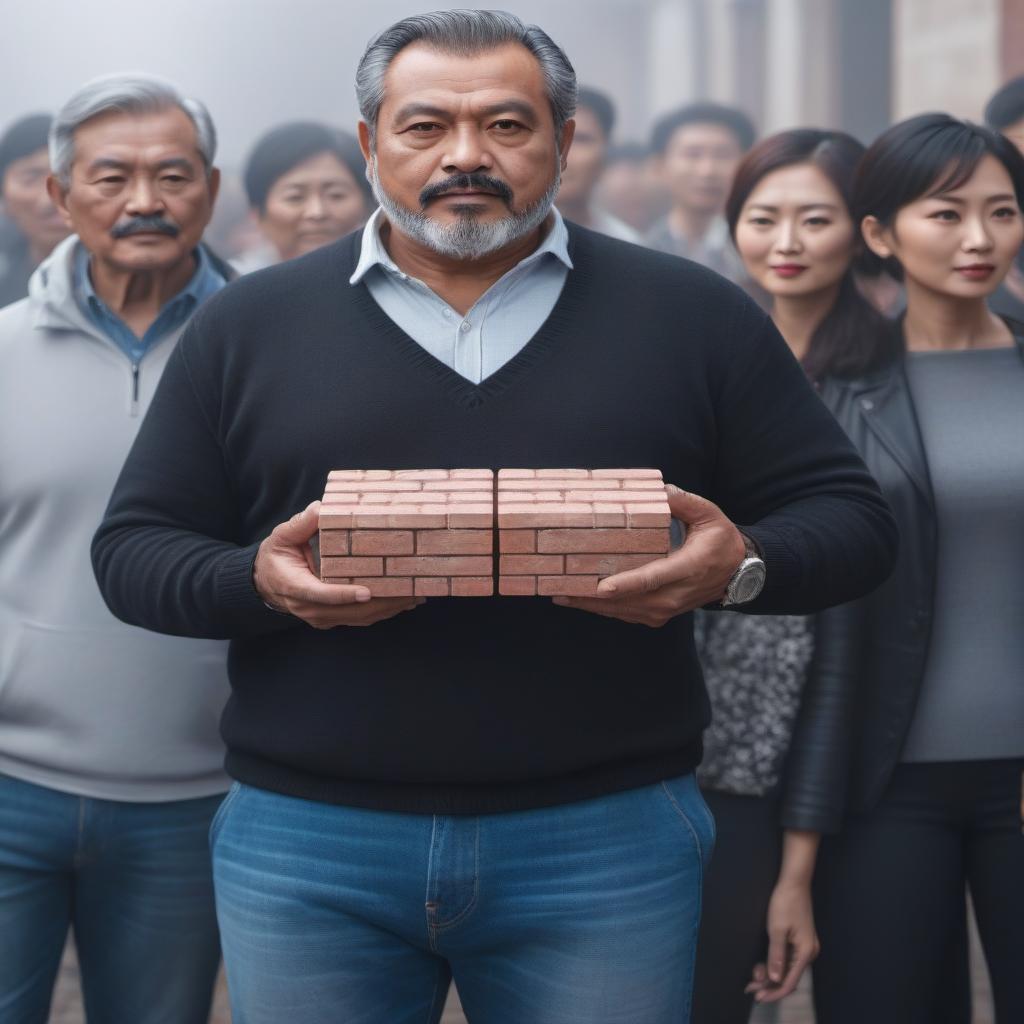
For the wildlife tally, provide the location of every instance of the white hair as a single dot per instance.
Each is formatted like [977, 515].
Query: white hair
[464, 32]
[128, 94]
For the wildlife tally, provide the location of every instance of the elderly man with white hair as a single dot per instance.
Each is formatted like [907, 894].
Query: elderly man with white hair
[110, 762]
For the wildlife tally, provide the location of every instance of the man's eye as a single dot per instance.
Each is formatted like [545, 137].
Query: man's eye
[423, 127]
[507, 124]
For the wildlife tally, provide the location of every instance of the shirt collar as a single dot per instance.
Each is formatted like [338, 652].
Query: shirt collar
[372, 252]
[201, 285]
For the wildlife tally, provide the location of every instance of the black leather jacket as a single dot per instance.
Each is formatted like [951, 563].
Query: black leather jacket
[864, 681]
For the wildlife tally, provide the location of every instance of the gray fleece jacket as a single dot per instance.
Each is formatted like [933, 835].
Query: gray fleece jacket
[88, 705]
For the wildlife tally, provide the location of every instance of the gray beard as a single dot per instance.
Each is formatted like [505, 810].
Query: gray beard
[467, 238]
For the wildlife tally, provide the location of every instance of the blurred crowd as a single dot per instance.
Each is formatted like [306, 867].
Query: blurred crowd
[876, 750]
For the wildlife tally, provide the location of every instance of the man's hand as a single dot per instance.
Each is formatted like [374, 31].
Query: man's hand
[285, 577]
[695, 575]
[792, 943]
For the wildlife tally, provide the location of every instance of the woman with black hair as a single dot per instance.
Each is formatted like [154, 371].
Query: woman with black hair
[917, 727]
[789, 216]
[307, 187]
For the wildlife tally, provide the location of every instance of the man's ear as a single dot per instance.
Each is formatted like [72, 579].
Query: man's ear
[565, 140]
[363, 131]
[214, 185]
[59, 199]
[877, 237]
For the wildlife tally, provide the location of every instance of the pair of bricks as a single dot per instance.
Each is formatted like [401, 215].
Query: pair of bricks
[435, 533]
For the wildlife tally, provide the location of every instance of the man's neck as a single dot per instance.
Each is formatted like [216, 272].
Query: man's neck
[689, 224]
[798, 316]
[937, 322]
[138, 296]
[459, 282]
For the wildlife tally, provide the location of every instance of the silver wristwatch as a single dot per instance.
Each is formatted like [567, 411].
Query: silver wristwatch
[748, 579]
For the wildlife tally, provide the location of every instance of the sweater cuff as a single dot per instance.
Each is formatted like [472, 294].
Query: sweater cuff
[237, 598]
[783, 568]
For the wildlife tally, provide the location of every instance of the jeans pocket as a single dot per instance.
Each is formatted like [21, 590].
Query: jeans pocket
[220, 814]
[685, 798]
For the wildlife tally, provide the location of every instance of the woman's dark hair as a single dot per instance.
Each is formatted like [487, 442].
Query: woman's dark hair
[289, 145]
[928, 155]
[854, 338]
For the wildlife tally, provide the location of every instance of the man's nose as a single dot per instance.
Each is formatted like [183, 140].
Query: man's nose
[466, 151]
[143, 197]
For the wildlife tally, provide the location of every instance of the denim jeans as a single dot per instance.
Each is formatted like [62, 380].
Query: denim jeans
[133, 880]
[585, 913]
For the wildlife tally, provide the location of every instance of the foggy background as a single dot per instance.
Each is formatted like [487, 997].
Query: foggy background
[851, 64]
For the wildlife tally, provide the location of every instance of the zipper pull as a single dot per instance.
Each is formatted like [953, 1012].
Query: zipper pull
[134, 407]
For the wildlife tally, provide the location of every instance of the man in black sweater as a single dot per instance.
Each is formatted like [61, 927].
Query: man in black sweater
[500, 788]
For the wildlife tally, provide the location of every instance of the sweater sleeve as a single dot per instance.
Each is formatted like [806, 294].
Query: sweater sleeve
[787, 474]
[167, 555]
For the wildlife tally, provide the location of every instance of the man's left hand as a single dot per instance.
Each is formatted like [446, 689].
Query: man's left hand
[695, 575]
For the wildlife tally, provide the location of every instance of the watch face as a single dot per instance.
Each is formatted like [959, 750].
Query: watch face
[748, 582]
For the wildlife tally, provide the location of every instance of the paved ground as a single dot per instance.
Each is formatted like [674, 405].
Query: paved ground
[67, 1008]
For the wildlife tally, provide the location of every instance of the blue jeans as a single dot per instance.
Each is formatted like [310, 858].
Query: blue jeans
[585, 913]
[133, 880]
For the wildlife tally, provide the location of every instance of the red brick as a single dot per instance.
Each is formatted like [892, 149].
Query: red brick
[517, 586]
[562, 474]
[609, 514]
[453, 542]
[334, 542]
[440, 565]
[520, 516]
[627, 474]
[401, 517]
[351, 567]
[382, 542]
[611, 542]
[421, 474]
[567, 586]
[469, 516]
[452, 485]
[649, 515]
[472, 474]
[430, 586]
[337, 579]
[337, 517]
[472, 586]
[517, 542]
[380, 586]
[530, 565]
[516, 474]
[604, 565]
[461, 497]
[349, 486]
[554, 484]
[615, 496]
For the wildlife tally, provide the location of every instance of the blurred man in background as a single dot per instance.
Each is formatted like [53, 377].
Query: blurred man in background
[698, 148]
[33, 225]
[110, 762]
[595, 120]
[629, 187]
[1005, 113]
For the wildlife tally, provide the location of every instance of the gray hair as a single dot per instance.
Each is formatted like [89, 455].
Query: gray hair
[464, 32]
[128, 94]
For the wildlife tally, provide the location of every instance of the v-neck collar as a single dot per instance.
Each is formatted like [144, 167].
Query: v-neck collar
[458, 388]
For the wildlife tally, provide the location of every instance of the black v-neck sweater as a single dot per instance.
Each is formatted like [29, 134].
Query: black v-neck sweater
[473, 705]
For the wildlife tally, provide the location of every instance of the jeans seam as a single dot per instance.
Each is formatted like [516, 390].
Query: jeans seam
[700, 892]
[471, 906]
[217, 822]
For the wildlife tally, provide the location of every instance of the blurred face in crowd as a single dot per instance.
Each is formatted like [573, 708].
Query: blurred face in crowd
[585, 160]
[959, 243]
[698, 166]
[465, 160]
[139, 195]
[314, 203]
[1015, 133]
[629, 190]
[795, 233]
[28, 204]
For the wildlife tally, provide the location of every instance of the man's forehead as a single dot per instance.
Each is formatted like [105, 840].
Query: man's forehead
[165, 129]
[423, 73]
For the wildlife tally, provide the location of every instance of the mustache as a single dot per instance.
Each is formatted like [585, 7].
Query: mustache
[458, 182]
[145, 223]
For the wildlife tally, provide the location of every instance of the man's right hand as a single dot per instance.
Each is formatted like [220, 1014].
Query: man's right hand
[284, 575]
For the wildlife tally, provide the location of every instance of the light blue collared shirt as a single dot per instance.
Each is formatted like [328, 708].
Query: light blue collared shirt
[501, 321]
[204, 282]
